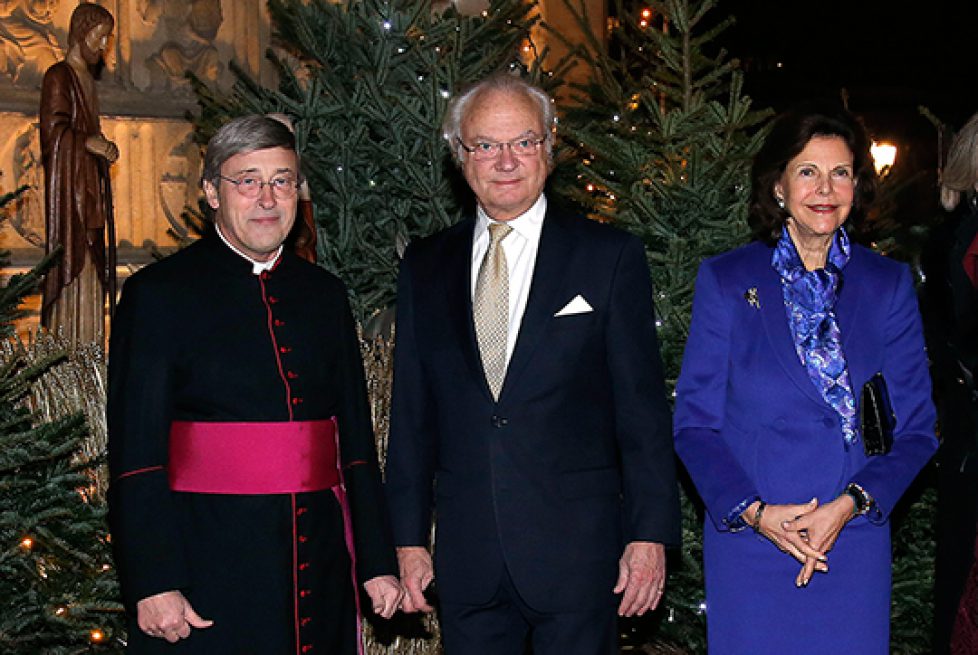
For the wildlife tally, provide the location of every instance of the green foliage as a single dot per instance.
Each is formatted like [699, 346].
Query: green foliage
[662, 138]
[367, 83]
[53, 537]
[914, 547]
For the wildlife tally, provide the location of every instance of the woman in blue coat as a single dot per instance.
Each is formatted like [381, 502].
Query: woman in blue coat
[786, 332]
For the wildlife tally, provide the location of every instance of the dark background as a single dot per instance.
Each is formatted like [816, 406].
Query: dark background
[890, 58]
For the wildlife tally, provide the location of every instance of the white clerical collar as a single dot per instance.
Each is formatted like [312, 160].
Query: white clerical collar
[528, 224]
[257, 267]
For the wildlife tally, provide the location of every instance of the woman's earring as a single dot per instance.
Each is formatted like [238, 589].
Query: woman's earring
[780, 201]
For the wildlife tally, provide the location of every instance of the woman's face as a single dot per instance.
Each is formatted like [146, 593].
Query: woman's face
[817, 188]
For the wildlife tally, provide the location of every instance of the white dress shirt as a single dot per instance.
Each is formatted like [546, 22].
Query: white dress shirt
[521, 247]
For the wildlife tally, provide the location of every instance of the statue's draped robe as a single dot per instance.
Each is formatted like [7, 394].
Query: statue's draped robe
[77, 203]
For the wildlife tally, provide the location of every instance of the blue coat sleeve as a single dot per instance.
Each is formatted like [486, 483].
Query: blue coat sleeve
[701, 394]
[905, 370]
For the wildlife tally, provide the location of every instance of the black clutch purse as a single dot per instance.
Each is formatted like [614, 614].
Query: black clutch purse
[876, 417]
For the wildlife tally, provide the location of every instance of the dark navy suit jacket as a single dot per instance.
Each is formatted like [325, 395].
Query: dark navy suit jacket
[574, 459]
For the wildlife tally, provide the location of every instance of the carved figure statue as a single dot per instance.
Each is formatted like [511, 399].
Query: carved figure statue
[77, 197]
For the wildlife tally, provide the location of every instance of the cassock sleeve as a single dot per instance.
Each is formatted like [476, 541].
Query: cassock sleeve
[358, 458]
[146, 538]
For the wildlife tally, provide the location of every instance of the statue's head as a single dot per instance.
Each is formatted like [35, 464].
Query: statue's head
[89, 28]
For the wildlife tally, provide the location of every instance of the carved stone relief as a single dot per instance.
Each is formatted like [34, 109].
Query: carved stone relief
[28, 39]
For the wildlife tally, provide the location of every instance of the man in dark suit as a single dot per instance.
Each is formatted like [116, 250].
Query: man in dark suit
[528, 405]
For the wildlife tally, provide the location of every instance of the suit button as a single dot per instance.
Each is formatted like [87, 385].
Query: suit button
[499, 421]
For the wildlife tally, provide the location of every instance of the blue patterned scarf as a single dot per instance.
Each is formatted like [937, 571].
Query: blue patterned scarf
[809, 298]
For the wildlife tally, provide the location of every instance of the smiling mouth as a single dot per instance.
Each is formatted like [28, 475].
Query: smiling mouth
[822, 209]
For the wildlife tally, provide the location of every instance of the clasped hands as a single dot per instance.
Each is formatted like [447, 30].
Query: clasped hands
[806, 531]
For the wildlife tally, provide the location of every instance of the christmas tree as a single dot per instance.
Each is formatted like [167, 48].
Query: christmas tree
[366, 83]
[663, 139]
[57, 589]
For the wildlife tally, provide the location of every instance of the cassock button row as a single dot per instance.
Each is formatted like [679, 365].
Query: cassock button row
[301, 511]
[279, 323]
[303, 539]
[305, 593]
[272, 300]
[304, 621]
[284, 349]
[307, 648]
[297, 401]
[303, 566]
[499, 421]
[291, 375]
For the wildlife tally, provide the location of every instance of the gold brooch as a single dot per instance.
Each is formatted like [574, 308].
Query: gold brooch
[751, 297]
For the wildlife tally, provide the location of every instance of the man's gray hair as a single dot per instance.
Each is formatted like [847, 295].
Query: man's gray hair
[244, 134]
[459, 105]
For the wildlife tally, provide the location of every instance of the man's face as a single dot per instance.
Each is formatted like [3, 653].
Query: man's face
[95, 42]
[506, 185]
[255, 226]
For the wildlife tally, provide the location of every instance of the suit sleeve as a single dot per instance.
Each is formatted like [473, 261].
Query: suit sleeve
[642, 416]
[905, 370]
[410, 455]
[148, 545]
[358, 458]
[701, 395]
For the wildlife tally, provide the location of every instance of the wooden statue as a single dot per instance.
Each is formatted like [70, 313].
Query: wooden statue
[78, 200]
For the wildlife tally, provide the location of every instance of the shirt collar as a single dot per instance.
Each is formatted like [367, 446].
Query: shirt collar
[257, 268]
[528, 224]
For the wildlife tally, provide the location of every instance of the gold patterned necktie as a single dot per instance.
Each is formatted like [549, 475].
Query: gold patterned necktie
[490, 308]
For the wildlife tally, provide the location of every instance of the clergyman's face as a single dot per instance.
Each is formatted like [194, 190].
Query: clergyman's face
[508, 184]
[255, 226]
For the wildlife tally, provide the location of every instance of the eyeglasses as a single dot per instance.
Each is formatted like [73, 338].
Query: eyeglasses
[283, 186]
[485, 150]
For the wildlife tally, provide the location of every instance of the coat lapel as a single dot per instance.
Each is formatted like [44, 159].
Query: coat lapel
[458, 295]
[549, 275]
[775, 320]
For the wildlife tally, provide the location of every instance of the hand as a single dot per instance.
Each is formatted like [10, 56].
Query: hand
[417, 572]
[168, 616]
[641, 576]
[385, 594]
[794, 542]
[821, 527]
[100, 146]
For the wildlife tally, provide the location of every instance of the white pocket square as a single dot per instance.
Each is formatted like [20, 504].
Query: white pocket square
[577, 305]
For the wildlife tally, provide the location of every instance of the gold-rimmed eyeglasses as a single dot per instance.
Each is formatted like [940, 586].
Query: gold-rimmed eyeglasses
[525, 146]
[283, 186]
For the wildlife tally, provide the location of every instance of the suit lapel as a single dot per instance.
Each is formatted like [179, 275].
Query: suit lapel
[458, 295]
[775, 320]
[549, 275]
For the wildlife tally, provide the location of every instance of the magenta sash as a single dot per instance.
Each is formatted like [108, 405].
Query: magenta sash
[253, 458]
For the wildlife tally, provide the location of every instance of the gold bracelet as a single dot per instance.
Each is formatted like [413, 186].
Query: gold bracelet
[757, 516]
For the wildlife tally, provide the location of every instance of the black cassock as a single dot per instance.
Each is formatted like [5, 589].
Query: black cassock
[199, 337]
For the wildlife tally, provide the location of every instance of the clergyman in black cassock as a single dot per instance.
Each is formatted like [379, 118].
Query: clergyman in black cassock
[234, 378]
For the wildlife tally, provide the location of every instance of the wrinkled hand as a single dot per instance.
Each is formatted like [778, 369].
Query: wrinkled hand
[168, 616]
[795, 542]
[385, 594]
[821, 527]
[100, 146]
[417, 572]
[641, 576]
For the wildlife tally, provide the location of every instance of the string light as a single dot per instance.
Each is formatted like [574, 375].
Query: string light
[61, 610]
[26, 543]
[96, 636]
